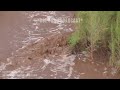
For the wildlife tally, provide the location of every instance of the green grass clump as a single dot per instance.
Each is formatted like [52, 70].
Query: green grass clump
[100, 29]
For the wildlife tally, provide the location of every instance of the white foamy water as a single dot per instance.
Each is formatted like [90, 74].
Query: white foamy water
[25, 30]
[58, 68]
[36, 30]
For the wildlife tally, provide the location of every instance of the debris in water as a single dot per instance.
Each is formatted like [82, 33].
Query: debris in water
[105, 68]
[82, 73]
[70, 72]
[95, 70]
[84, 60]
[97, 64]
[113, 71]
[84, 52]
[46, 61]
[105, 73]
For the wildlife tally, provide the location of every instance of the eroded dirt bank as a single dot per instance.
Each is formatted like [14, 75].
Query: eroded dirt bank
[41, 50]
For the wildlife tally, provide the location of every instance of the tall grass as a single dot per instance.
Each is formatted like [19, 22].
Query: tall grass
[100, 29]
[115, 39]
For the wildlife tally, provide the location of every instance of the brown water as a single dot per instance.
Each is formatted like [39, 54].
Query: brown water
[18, 28]
[21, 30]
[10, 32]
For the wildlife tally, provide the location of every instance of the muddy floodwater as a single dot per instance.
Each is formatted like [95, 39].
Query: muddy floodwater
[31, 49]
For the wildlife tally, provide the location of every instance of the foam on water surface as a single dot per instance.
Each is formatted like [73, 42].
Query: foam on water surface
[32, 31]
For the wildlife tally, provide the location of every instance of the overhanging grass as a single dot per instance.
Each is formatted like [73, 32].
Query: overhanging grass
[100, 29]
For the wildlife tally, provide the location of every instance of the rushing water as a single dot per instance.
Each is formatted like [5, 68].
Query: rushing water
[18, 29]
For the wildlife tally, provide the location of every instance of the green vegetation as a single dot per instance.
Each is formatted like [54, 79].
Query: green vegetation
[100, 29]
